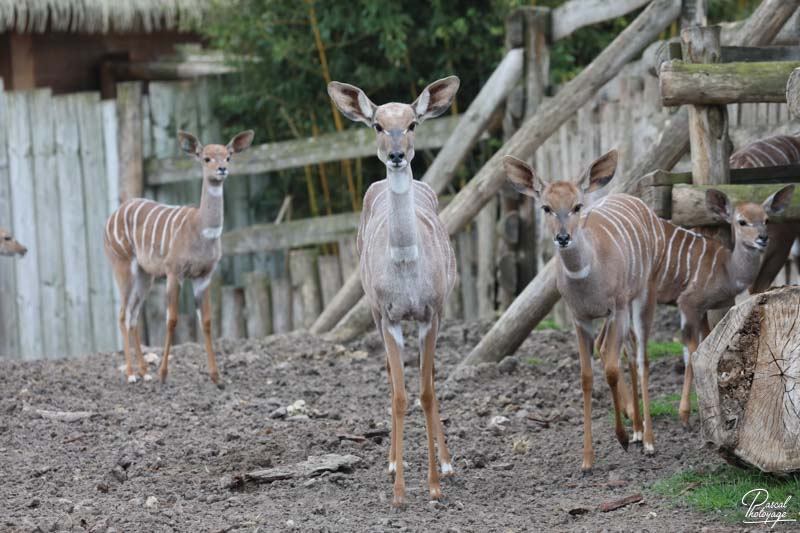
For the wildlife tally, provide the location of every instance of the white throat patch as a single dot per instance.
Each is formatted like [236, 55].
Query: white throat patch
[212, 233]
[580, 274]
[215, 190]
[401, 254]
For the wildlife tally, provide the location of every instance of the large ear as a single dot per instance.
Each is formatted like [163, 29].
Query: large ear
[189, 143]
[522, 177]
[779, 200]
[599, 172]
[241, 142]
[718, 203]
[352, 102]
[436, 98]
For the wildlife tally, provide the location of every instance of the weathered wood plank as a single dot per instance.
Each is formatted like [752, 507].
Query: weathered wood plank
[96, 209]
[48, 221]
[303, 274]
[9, 340]
[23, 201]
[575, 14]
[129, 140]
[733, 54]
[257, 303]
[350, 144]
[724, 83]
[793, 93]
[110, 125]
[233, 323]
[330, 277]
[294, 234]
[78, 318]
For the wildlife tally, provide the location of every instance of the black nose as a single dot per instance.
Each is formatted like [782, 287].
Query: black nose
[222, 170]
[396, 157]
[763, 238]
[562, 239]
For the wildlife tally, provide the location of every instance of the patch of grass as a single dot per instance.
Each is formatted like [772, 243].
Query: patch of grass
[533, 361]
[662, 407]
[658, 350]
[547, 323]
[721, 490]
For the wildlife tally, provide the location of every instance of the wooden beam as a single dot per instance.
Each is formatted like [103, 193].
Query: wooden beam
[350, 144]
[724, 83]
[294, 234]
[747, 54]
[575, 14]
[23, 67]
[689, 202]
[793, 93]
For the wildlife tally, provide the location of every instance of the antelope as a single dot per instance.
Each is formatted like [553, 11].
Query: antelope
[9, 245]
[768, 152]
[406, 262]
[146, 240]
[608, 254]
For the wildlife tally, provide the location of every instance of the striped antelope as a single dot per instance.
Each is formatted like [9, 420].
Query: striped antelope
[608, 254]
[9, 245]
[769, 152]
[146, 240]
[700, 273]
[407, 265]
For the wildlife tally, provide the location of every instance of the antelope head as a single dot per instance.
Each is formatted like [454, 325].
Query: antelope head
[749, 220]
[215, 158]
[394, 123]
[9, 245]
[561, 201]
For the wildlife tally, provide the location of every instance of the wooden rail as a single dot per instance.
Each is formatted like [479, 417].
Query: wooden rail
[350, 144]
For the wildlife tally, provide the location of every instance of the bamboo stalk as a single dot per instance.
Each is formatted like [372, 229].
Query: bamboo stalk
[337, 119]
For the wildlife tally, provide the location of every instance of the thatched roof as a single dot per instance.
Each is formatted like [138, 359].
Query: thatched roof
[100, 16]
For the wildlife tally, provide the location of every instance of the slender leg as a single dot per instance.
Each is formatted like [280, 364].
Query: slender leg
[126, 345]
[392, 337]
[643, 311]
[611, 363]
[125, 284]
[173, 291]
[444, 453]
[205, 319]
[585, 345]
[142, 287]
[376, 317]
[631, 398]
[427, 397]
[690, 320]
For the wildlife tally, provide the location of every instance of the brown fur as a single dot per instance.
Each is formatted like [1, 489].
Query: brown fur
[9, 245]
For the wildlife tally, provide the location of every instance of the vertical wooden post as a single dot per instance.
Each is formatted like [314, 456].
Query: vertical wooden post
[304, 284]
[708, 125]
[129, 140]
[330, 277]
[233, 325]
[256, 299]
[466, 262]
[9, 340]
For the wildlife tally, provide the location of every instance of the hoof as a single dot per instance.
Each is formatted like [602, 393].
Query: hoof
[649, 449]
[132, 378]
[399, 503]
[147, 377]
[436, 493]
[623, 440]
[162, 376]
[637, 438]
[220, 385]
[392, 468]
[447, 470]
[586, 471]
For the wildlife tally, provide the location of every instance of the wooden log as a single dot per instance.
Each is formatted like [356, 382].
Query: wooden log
[747, 383]
[233, 323]
[793, 93]
[708, 124]
[349, 144]
[294, 234]
[9, 340]
[257, 304]
[724, 83]
[303, 273]
[73, 227]
[575, 14]
[129, 140]
[23, 209]
[330, 277]
[353, 324]
[689, 202]
[540, 295]
[49, 253]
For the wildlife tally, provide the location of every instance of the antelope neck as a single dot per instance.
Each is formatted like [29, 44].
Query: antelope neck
[744, 264]
[402, 217]
[577, 258]
[210, 213]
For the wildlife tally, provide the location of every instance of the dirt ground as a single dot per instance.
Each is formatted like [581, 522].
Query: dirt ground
[157, 458]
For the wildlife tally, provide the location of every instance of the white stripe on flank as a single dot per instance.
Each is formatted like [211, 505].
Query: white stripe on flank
[775, 149]
[613, 239]
[623, 230]
[125, 220]
[688, 261]
[795, 151]
[713, 264]
[767, 157]
[136, 222]
[699, 263]
[164, 233]
[644, 249]
[162, 209]
[144, 227]
[678, 258]
[178, 229]
[116, 224]
[669, 254]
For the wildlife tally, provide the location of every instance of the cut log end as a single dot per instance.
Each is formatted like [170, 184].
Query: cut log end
[747, 376]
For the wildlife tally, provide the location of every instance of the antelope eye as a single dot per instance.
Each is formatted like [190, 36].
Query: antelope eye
[378, 128]
[412, 126]
[742, 223]
[546, 209]
[7, 238]
[228, 158]
[577, 208]
[207, 159]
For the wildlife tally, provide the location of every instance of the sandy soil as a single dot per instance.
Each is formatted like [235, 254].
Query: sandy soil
[161, 458]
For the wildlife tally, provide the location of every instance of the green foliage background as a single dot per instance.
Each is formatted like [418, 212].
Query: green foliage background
[389, 48]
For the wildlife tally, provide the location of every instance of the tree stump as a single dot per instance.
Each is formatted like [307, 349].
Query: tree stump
[747, 377]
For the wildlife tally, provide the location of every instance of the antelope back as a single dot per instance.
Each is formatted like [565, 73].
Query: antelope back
[433, 240]
[768, 152]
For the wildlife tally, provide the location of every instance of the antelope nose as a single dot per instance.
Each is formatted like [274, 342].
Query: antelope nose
[222, 170]
[562, 239]
[763, 238]
[396, 157]
[22, 251]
